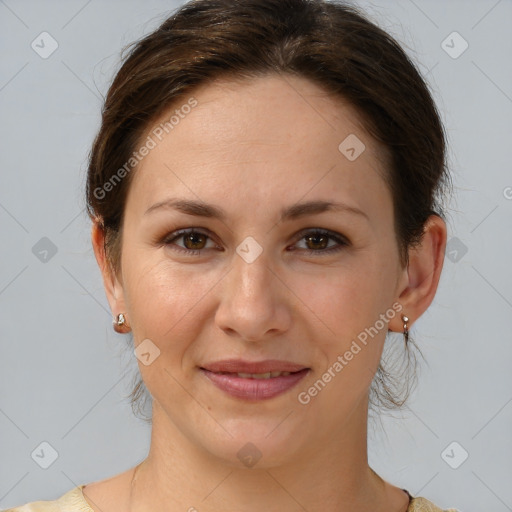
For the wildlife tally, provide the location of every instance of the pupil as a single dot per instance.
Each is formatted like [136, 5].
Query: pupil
[192, 238]
[316, 238]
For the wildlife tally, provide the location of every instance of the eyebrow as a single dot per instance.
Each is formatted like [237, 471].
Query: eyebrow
[295, 211]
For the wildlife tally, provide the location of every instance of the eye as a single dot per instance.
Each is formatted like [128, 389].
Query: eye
[194, 241]
[317, 241]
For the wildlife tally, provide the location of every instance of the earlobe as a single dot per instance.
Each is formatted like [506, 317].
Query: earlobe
[113, 288]
[423, 271]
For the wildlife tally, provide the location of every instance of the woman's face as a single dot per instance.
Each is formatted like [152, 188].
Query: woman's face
[255, 285]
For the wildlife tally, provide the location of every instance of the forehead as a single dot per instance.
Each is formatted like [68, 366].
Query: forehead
[273, 136]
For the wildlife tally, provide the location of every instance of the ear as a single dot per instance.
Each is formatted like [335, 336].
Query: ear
[113, 286]
[421, 277]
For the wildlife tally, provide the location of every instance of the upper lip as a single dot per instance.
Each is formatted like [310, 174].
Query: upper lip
[242, 366]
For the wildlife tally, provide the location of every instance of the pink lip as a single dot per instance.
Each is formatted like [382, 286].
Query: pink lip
[224, 375]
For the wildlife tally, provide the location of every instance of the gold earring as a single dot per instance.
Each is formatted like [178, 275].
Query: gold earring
[405, 320]
[120, 324]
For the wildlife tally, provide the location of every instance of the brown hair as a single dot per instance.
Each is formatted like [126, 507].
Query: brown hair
[332, 44]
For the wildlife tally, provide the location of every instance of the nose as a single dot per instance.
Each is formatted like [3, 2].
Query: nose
[253, 302]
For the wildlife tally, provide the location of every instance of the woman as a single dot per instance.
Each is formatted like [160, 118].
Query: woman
[264, 195]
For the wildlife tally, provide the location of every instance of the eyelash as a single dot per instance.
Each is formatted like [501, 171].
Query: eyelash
[341, 241]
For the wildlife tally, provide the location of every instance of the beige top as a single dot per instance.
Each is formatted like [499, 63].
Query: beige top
[74, 501]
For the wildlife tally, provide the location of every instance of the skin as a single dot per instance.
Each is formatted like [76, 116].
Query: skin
[256, 147]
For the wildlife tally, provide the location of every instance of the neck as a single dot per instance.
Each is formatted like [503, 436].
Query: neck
[330, 474]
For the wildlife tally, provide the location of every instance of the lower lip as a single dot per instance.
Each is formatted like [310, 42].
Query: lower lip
[254, 389]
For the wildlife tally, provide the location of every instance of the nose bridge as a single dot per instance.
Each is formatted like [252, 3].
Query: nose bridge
[251, 303]
[250, 276]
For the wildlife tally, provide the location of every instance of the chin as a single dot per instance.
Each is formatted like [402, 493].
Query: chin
[256, 443]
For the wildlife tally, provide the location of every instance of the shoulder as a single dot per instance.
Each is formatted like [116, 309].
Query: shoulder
[71, 501]
[423, 505]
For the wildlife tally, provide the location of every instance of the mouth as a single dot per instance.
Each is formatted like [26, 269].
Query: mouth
[254, 380]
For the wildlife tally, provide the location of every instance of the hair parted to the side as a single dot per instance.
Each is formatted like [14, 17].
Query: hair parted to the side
[330, 43]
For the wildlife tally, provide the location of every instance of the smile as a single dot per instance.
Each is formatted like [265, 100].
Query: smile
[255, 386]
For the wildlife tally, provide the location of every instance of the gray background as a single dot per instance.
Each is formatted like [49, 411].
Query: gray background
[63, 371]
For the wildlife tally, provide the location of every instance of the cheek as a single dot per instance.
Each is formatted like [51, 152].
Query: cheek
[350, 304]
[164, 299]
[350, 298]
[166, 305]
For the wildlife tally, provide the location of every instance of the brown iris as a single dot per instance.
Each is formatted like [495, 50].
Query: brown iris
[315, 239]
[194, 241]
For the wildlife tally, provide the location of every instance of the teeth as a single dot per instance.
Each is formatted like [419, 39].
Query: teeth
[279, 374]
[267, 375]
[261, 375]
